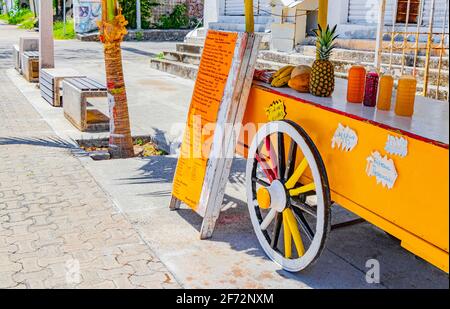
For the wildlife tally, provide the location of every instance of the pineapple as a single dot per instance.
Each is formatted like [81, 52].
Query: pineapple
[321, 82]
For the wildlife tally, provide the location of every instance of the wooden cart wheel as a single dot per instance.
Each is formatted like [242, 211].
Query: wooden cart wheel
[288, 195]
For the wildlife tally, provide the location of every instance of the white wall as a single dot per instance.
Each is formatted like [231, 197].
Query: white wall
[211, 12]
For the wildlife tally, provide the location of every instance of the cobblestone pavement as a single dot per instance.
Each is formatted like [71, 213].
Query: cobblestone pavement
[57, 227]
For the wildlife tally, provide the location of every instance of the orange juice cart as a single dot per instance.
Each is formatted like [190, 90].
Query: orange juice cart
[391, 171]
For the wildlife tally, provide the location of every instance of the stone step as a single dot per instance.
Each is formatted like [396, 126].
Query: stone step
[189, 48]
[184, 70]
[182, 57]
[195, 40]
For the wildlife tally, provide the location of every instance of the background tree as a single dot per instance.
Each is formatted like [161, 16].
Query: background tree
[112, 30]
[129, 11]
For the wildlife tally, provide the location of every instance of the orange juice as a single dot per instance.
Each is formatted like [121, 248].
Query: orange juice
[406, 95]
[385, 92]
[356, 83]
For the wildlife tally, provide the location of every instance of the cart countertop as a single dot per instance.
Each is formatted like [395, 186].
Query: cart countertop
[430, 121]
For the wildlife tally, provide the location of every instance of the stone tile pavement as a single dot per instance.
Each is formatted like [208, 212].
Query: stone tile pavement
[58, 229]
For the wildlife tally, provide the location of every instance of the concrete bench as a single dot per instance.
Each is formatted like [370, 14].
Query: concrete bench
[16, 57]
[30, 66]
[50, 84]
[76, 107]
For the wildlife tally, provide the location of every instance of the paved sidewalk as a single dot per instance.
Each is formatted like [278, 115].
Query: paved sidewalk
[57, 227]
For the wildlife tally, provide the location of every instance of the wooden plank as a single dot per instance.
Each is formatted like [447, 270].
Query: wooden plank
[218, 171]
[86, 81]
[31, 54]
[97, 84]
[76, 82]
[47, 92]
[44, 84]
[174, 203]
[81, 81]
[45, 75]
[47, 98]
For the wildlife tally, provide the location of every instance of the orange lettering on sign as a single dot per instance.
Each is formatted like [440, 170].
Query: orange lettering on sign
[209, 87]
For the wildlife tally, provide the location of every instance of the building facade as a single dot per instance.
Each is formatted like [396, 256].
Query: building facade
[356, 19]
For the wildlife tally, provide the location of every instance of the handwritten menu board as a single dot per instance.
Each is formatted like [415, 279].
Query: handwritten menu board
[217, 57]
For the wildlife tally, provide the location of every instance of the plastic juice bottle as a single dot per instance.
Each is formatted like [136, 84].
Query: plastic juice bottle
[356, 82]
[406, 95]
[371, 89]
[385, 92]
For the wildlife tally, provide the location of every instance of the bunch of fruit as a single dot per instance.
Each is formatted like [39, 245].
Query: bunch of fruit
[282, 76]
[295, 77]
[318, 80]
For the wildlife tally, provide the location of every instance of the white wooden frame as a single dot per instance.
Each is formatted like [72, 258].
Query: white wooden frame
[231, 112]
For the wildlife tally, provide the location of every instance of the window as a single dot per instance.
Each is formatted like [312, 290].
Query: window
[402, 11]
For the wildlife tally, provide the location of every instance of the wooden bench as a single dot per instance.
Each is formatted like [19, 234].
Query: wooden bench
[16, 57]
[76, 107]
[30, 66]
[26, 44]
[50, 84]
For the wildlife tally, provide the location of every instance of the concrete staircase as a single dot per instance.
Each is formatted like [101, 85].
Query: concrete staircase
[185, 60]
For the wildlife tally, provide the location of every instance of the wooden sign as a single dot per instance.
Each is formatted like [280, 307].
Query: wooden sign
[220, 96]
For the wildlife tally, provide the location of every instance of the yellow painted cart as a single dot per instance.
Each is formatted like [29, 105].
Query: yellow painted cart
[391, 171]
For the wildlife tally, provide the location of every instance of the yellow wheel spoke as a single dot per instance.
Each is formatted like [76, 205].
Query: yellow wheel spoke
[287, 237]
[293, 227]
[297, 174]
[303, 189]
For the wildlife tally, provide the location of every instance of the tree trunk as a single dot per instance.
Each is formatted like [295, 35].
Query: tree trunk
[112, 30]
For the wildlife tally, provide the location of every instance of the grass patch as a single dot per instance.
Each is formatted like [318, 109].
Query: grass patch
[4, 17]
[58, 30]
[16, 17]
[29, 23]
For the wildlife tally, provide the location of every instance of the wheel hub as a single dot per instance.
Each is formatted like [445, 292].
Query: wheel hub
[273, 196]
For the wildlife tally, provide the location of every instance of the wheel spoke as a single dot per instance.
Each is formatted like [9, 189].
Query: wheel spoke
[293, 227]
[266, 169]
[276, 230]
[303, 189]
[303, 223]
[297, 174]
[272, 155]
[281, 157]
[291, 159]
[261, 182]
[304, 207]
[268, 219]
[287, 237]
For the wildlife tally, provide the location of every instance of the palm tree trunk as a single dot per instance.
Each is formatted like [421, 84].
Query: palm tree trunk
[112, 31]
